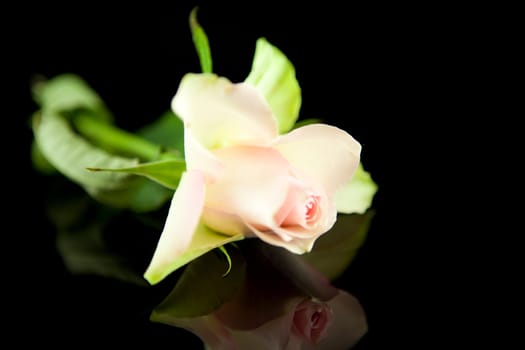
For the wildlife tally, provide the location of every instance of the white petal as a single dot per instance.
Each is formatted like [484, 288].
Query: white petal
[325, 153]
[199, 158]
[221, 114]
[183, 217]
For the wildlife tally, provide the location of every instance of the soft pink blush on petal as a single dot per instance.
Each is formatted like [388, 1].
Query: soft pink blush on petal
[223, 114]
[326, 153]
[183, 216]
[300, 237]
[253, 184]
[307, 212]
[300, 207]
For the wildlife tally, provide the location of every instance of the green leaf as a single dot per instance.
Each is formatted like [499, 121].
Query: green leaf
[68, 92]
[274, 76]
[203, 287]
[204, 239]
[168, 131]
[335, 250]
[200, 40]
[149, 196]
[357, 195]
[223, 250]
[307, 122]
[114, 140]
[71, 154]
[40, 163]
[165, 172]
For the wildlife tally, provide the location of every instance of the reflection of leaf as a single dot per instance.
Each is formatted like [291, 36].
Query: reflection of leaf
[165, 172]
[83, 251]
[356, 195]
[335, 250]
[82, 230]
[274, 76]
[203, 287]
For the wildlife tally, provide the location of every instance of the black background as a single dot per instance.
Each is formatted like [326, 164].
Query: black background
[381, 72]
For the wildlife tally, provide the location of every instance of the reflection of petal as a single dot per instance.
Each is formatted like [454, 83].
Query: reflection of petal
[208, 328]
[221, 114]
[327, 154]
[183, 217]
[348, 326]
[275, 334]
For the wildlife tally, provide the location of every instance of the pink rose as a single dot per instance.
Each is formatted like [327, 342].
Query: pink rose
[244, 178]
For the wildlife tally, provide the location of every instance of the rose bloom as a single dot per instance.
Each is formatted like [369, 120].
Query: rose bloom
[244, 178]
[278, 310]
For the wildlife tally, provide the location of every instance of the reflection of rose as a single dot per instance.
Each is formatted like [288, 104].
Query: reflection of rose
[275, 312]
[244, 178]
[311, 320]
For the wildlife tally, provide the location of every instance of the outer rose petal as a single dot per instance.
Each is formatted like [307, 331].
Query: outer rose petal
[222, 114]
[326, 153]
[183, 217]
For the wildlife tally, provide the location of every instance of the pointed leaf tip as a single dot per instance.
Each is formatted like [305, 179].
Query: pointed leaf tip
[200, 40]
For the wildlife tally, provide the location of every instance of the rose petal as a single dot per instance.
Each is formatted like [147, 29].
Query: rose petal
[298, 239]
[199, 158]
[324, 217]
[279, 237]
[348, 326]
[183, 217]
[253, 184]
[224, 222]
[221, 114]
[326, 153]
